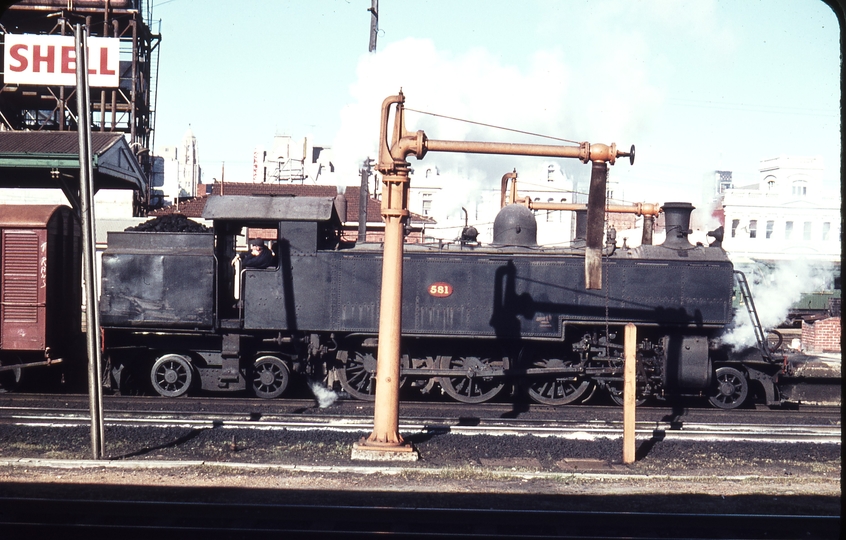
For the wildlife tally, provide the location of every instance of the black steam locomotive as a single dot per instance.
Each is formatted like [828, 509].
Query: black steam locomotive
[179, 312]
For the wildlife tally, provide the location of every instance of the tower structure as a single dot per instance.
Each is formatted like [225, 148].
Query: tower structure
[189, 166]
[127, 109]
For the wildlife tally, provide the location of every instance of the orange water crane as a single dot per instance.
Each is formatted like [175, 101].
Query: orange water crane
[394, 167]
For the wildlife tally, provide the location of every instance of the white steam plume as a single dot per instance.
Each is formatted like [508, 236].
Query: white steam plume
[549, 93]
[324, 396]
[773, 295]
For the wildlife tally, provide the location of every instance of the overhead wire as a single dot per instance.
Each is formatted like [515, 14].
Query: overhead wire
[493, 126]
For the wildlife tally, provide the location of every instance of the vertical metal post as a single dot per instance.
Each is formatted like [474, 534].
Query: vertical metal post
[385, 436]
[86, 195]
[386, 413]
[648, 228]
[363, 197]
[629, 392]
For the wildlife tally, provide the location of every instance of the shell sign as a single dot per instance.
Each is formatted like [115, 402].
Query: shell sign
[51, 60]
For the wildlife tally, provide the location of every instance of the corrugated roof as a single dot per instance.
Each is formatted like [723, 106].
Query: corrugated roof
[53, 142]
[31, 159]
[194, 208]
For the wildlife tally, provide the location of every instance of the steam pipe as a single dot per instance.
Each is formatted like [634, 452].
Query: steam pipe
[512, 196]
[638, 209]
[585, 152]
[648, 228]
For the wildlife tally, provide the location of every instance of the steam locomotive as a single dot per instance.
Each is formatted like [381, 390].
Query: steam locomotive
[179, 313]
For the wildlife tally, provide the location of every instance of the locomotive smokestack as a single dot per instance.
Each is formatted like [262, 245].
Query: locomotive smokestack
[677, 224]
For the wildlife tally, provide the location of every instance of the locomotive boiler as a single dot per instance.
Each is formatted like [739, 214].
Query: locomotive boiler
[179, 313]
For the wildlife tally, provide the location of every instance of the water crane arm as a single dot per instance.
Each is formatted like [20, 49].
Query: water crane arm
[394, 166]
[405, 143]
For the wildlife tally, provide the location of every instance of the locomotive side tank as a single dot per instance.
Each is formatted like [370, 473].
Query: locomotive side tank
[475, 319]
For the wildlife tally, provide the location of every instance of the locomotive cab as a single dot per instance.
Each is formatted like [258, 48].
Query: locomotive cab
[250, 298]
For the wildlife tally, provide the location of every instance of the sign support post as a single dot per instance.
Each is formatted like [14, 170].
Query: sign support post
[86, 196]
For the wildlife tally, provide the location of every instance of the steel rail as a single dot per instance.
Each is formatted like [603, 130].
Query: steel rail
[140, 518]
[664, 430]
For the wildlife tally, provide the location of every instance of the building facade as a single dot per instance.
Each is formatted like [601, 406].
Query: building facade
[785, 216]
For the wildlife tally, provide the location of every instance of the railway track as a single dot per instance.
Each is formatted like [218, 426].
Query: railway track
[140, 519]
[814, 425]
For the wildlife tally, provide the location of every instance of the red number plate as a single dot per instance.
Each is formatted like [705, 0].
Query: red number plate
[440, 289]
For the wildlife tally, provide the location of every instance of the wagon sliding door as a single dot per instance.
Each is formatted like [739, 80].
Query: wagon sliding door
[23, 289]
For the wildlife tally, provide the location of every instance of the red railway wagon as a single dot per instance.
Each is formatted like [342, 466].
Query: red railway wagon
[40, 288]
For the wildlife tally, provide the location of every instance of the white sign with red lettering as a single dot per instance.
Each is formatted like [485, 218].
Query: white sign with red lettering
[51, 60]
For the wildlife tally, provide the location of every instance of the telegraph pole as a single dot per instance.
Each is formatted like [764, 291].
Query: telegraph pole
[374, 24]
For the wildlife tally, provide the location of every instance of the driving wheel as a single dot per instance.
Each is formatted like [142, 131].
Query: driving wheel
[358, 375]
[556, 390]
[477, 379]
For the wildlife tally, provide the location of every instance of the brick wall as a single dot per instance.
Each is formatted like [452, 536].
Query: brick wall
[821, 336]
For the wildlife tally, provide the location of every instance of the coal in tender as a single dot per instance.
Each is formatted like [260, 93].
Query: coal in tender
[170, 223]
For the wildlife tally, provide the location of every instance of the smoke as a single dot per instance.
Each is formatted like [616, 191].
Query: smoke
[773, 292]
[546, 94]
[325, 397]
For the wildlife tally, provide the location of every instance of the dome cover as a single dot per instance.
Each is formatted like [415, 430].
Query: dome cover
[515, 225]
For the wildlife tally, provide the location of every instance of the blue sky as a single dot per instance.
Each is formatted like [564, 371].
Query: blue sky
[696, 86]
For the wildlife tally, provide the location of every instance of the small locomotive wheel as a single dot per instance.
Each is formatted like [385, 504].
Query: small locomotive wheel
[270, 377]
[171, 375]
[474, 382]
[731, 389]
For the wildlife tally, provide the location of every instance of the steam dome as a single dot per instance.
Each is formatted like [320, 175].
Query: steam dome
[515, 225]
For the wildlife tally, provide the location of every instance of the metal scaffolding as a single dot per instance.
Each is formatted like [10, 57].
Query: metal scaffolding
[128, 109]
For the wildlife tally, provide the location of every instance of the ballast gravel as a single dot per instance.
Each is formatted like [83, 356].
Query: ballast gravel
[315, 465]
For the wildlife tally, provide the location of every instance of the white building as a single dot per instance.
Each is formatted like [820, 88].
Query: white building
[453, 201]
[177, 171]
[292, 160]
[785, 216]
